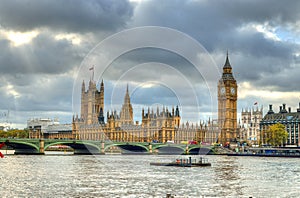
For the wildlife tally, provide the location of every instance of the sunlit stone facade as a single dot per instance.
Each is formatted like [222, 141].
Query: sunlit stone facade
[227, 105]
[159, 126]
[250, 124]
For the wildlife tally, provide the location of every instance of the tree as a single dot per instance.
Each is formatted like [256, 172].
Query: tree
[15, 133]
[276, 135]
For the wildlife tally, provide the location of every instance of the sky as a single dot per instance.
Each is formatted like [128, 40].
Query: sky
[169, 53]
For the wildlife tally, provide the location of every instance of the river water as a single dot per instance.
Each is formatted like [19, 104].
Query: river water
[132, 176]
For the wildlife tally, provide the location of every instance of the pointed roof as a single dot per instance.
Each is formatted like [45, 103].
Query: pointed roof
[227, 70]
[83, 86]
[127, 97]
[227, 63]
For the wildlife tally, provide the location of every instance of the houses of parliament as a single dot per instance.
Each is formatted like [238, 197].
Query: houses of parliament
[160, 125]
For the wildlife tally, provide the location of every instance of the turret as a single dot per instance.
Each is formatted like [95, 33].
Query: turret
[83, 87]
[101, 117]
[177, 112]
[102, 86]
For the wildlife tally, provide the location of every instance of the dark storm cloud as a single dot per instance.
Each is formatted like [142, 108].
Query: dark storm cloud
[67, 15]
[43, 55]
[215, 24]
[43, 92]
[38, 70]
[222, 25]
[147, 55]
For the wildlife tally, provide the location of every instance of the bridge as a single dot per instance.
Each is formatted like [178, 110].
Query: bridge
[85, 147]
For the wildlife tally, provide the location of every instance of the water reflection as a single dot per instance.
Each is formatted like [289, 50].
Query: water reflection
[132, 176]
[226, 173]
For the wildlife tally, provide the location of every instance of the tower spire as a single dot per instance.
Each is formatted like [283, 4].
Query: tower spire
[126, 114]
[127, 97]
[102, 86]
[227, 63]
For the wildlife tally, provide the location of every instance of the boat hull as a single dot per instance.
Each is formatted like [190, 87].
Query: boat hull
[180, 164]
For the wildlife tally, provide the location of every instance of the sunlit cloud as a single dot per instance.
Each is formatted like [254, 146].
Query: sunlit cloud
[268, 31]
[20, 38]
[10, 90]
[75, 39]
[247, 90]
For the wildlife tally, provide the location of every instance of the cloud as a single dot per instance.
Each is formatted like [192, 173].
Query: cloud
[44, 54]
[37, 75]
[66, 16]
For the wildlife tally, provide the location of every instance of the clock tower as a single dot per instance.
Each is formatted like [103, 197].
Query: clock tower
[227, 105]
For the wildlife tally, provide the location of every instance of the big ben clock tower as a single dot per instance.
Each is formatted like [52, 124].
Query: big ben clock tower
[227, 105]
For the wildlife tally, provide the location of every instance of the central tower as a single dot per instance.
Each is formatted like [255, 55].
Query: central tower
[126, 114]
[227, 105]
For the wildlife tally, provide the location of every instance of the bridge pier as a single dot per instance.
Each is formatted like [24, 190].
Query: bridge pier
[102, 151]
[42, 146]
[150, 148]
[186, 150]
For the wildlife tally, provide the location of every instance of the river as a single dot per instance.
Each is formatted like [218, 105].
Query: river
[132, 176]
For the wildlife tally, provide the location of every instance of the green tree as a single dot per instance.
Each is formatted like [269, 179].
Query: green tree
[276, 135]
[15, 133]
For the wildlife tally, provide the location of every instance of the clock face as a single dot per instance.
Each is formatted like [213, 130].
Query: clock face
[232, 90]
[223, 90]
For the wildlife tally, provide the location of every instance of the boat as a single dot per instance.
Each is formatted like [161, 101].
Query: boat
[184, 162]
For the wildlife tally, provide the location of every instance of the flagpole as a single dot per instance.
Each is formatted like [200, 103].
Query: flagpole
[93, 73]
[92, 77]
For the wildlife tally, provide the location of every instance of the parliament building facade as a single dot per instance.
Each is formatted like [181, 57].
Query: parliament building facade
[156, 126]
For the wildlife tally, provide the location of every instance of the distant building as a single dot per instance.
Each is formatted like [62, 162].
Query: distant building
[49, 129]
[250, 124]
[291, 121]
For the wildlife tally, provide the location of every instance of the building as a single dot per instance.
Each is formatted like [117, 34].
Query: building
[212, 131]
[92, 103]
[49, 129]
[159, 126]
[250, 124]
[227, 105]
[291, 121]
[126, 114]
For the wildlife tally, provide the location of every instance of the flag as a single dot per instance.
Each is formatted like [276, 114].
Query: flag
[255, 103]
[92, 68]
[1, 155]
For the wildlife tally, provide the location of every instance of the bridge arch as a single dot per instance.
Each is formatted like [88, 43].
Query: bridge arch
[170, 149]
[132, 147]
[198, 150]
[79, 147]
[23, 147]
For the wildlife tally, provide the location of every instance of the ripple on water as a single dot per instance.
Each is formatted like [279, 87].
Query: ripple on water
[132, 176]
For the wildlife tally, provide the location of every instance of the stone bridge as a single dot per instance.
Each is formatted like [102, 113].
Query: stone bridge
[38, 146]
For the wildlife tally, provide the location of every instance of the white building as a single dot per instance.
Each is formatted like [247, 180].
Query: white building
[48, 128]
[250, 123]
